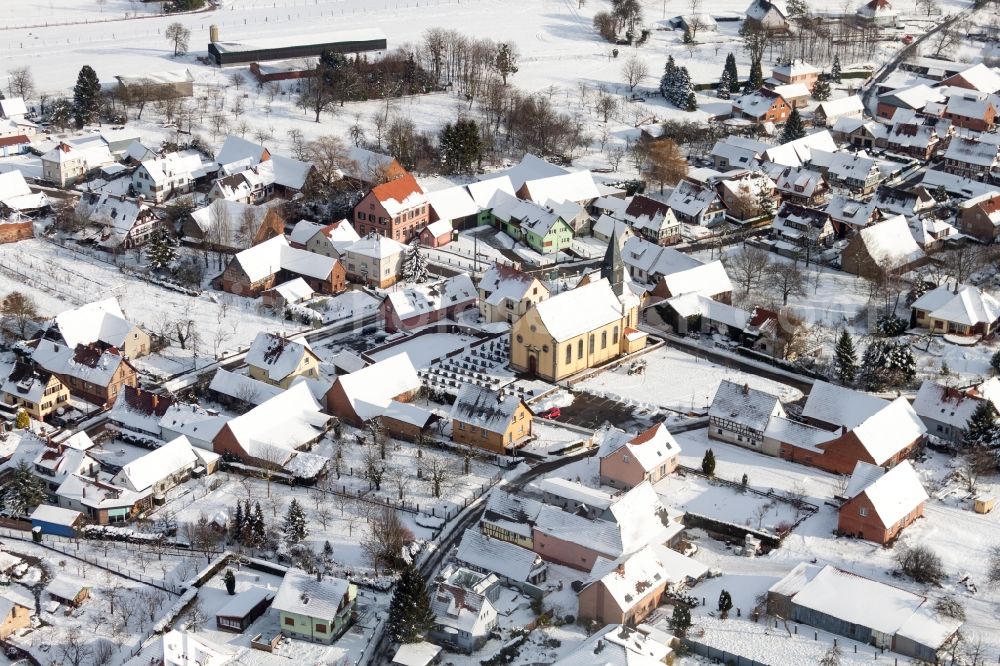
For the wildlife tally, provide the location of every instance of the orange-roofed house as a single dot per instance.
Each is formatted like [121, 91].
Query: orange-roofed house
[397, 209]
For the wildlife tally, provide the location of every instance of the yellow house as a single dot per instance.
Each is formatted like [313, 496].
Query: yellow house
[496, 422]
[276, 360]
[576, 330]
[37, 391]
[506, 293]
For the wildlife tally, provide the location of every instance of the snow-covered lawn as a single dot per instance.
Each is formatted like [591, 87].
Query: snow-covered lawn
[676, 380]
[59, 279]
[698, 495]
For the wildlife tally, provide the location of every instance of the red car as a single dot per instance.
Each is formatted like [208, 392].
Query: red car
[908, 39]
[553, 413]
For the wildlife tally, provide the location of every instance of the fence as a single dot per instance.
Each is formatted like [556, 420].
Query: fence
[62, 545]
[718, 655]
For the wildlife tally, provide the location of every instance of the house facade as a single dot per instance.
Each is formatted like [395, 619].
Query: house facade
[649, 456]
[880, 504]
[506, 294]
[495, 422]
[319, 611]
[397, 209]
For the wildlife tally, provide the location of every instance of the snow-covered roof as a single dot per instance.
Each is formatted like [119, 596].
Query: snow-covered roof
[914, 97]
[800, 151]
[890, 244]
[858, 600]
[893, 494]
[693, 304]
[66, 587]
[979, 76]
[650, 448]
[759, 9]
[529, 168]
[223, 220]
[244, 602]
[100, 321]
[26, 382]
[452, 203]
[835, 108]
[277, 355]
[12, 107]
[797, 434]
[242, 387]
[945, 404]
[143, 472]
[187, 164]
[577, 186]
[482, 191]
[235, 149]
[692, 200]
[300, 593]
[840, 406]
[792, 91]
[416, 654]
[138, 409]
[366, 165]
[376, 247]
[290, 173]
[399, 194]
[742, 404]
[663, 562]
[483, 408]
[280, 425]
[178, 645]
[275, 254]
[580, 310]
[973, 151]
[928, 627]
[757, 103]
[460, 609]
[55, 515]
[304, 230]
[294, 291]
[167, 76]
[370, 389]
[619, 645]
[968, 105]
[117, 214]
[422, 299]
[13, 185]
[503, 558]
[961, 304]
[876, 8]
[192, 421]
[83, 362]
[886, 432]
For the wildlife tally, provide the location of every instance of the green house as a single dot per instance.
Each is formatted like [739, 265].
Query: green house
[537, 226]
[314, 610]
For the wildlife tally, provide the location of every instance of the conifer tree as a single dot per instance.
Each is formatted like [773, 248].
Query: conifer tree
[692, 102]
[821, 90]
[981, 426]
[295, 528]
[667, 80]
[722, 91]
[756, 78]
[238, 521]
[161, 252]
[680, 621]
[845, 359]
[734, 73]
[708, 463]
[461, 146]
[24, 492]
[410, 614]
[682, 88]
[86, 97]
[725, 603]
[835, 73]
[794, 129]
[414, 264]
[230, 580]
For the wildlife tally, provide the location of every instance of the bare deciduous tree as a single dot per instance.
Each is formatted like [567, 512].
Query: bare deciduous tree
[634, 70]
[179, 36]
[21, 82]
[438, 471]
[786, 279]
[666, 164]
[747, 267]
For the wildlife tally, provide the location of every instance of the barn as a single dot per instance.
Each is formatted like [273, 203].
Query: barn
[283, 48]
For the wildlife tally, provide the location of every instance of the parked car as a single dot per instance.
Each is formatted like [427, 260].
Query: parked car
[552, 413]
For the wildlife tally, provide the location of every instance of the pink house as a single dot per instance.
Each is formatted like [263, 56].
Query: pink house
[627, 590]
[636, 519]
[627, 462]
